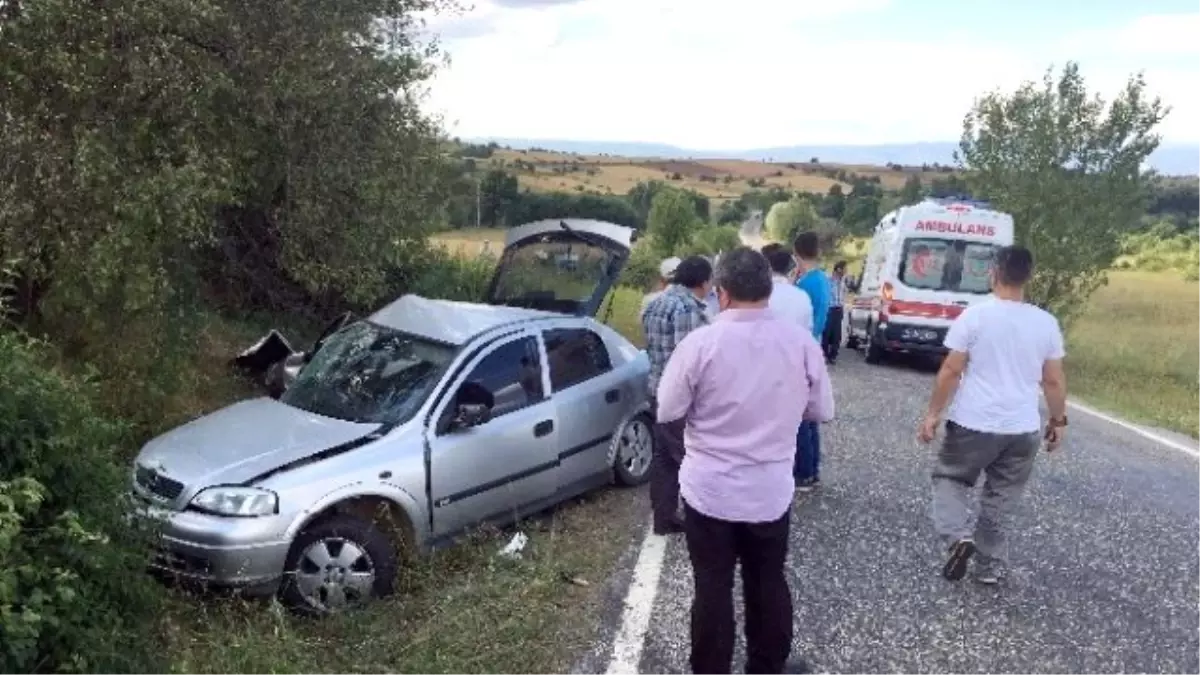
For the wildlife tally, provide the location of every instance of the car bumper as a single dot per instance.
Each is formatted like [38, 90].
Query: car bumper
[242, 553]
[902, 337]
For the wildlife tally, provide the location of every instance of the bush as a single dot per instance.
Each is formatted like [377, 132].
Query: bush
[711, 240]
[641, 271]
[441, 274]
[73, 595]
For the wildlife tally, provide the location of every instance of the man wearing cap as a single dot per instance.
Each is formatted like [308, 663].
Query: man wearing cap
[666, 270]
[669, 318]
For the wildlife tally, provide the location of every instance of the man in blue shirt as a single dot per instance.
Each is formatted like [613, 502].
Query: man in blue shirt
[811, 279]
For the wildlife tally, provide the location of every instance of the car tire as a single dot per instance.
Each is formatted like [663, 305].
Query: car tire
[334, 556]
[872, 350]
[637, 436]
[851, 342]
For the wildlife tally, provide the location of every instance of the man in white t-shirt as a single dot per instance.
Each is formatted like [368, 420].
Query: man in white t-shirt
[1001, 353]
[786, 300]
[666, 270]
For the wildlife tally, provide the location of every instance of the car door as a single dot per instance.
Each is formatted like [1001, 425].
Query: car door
[492, 470]
[590, 400]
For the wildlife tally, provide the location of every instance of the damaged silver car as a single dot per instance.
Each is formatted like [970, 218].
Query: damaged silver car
[399, 431]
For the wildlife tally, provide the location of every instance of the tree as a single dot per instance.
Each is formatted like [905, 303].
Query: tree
[714, 239]
[912, 191]
[672, 221]
[641, 196]
[498, 193]
[787, 219]
[1068, 167]
[834, 204]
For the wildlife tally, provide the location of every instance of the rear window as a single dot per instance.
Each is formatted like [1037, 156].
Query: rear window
[935, 264]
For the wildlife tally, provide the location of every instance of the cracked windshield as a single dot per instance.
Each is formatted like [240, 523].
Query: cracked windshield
[368, 373]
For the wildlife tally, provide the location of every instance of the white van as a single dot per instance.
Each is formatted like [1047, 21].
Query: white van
[925, 264]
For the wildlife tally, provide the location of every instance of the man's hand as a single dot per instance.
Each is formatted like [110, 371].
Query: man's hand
[928, 429]
[1054, 437]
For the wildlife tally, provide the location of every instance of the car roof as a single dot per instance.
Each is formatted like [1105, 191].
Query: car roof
[450, 321]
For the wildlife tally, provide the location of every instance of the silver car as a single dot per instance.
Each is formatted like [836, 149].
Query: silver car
[407, 428]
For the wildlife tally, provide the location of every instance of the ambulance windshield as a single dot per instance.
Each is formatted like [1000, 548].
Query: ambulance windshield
[954, 265]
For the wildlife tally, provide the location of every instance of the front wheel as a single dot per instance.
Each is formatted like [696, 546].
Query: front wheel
[635, 448]
[338, 564]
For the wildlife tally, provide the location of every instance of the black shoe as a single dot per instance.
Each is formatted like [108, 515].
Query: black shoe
[960, 556]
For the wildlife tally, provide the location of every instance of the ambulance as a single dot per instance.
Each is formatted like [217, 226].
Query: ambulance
[925, 264]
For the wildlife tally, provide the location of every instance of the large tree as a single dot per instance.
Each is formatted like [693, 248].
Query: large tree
[1069, 168]
[672, 220]
[787, 219]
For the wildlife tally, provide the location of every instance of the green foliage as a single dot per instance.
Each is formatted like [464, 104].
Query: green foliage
[532, 206]
[73, 594]
[642, 195]
[1160, 249]
[641, 270]
[672, 221]
[155, 153]
[913, 191]
[713, 239]
[441, 274]
[1068, 169]
[787, 219]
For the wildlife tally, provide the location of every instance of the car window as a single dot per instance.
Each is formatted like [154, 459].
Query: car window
[512, 373]
[575, 355]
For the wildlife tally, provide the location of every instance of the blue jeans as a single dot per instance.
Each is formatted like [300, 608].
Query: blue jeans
[808, 452]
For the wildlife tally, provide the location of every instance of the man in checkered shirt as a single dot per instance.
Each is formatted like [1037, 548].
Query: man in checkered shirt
[667, 320]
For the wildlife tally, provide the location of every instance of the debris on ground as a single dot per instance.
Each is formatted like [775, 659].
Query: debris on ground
[515, 545]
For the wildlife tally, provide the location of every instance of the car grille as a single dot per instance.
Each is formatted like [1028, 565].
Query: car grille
[157, 484]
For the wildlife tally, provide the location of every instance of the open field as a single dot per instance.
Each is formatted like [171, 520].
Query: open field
[717, 179]
[1134, 350]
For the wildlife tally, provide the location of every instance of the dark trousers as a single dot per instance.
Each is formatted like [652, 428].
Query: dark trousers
[808, 452]
[831, 340]
[664, 473]
[716, 547]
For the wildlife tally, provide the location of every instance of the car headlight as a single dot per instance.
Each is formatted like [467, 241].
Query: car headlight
[231, 500]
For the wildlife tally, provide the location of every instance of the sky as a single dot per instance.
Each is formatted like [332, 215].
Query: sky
[739, 74]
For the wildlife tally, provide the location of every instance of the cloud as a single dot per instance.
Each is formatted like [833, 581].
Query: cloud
[1149, 35]
[768, 73]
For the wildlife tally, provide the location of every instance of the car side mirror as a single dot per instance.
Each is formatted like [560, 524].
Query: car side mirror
[468, 415]
[472, 406]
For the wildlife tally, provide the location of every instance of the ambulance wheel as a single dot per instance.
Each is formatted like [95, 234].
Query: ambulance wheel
[851, 342]
[872, 350]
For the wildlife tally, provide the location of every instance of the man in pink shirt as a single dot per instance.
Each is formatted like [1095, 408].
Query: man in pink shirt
[735, 384]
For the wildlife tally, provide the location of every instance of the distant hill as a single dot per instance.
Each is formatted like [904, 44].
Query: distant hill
[1172, 159]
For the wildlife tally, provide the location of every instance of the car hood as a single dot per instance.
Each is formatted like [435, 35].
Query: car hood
[243, 441]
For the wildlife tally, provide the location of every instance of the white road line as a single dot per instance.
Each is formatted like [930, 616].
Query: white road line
[639, 602]
[1170, 443]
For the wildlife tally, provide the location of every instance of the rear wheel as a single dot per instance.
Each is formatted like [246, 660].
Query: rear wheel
[872, 350]
[635, 448]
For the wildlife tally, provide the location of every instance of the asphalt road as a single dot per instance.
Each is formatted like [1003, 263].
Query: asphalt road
[1104, 562]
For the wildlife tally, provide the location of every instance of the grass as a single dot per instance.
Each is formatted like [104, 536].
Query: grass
[1134, 350]
[462, 610]
[717, 179]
